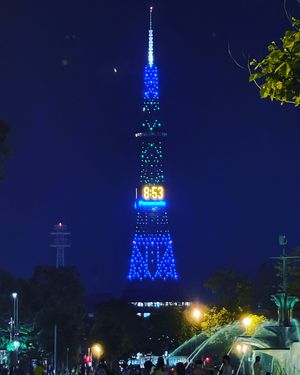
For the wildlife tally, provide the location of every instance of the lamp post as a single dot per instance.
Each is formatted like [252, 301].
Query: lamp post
[15, 325]
[247, 321]
[16, 310]
[242, 350]
[67, 361]
[97, 351]
[55, 349]
[196, 314]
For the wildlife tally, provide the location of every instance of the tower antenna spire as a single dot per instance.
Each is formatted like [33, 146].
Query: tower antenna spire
[151, 10]
[150, 46]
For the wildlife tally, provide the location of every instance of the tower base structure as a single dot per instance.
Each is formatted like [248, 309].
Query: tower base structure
[148, 296]
[157, 290]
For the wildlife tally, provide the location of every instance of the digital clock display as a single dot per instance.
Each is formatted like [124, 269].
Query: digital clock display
[153, 192]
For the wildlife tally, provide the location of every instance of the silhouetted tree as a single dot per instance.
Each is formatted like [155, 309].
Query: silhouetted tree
[118, 328]
[214, 319]
[58, 299]
[230, 289]
[167, 328]
[266, 284]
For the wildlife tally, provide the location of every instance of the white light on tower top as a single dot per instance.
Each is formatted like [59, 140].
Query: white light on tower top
[150, 49]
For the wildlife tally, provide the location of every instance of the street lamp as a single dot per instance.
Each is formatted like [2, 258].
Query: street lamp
[16, 310]
[16, 344]
[97, 351]
[242, 351]
[67, 361]
[196, 314]
[15, 327]
[247, 321]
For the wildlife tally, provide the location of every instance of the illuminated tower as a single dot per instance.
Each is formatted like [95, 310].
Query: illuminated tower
[152, 255]
[60, 242]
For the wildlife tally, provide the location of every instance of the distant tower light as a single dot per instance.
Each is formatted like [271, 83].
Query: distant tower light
[61, 240]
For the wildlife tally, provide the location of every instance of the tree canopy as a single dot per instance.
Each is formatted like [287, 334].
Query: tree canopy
[58, 299]
[52, 297]
[215, 318]
[118, 328]
[167, 328]
[277, 75]
[230, 289]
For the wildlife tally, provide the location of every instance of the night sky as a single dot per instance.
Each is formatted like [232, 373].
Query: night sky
[232, 162]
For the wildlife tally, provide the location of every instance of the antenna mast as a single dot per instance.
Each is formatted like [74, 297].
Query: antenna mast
[60, 242]
[150, 46]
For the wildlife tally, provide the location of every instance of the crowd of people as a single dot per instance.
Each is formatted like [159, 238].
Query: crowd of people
[19, 370]
[198, 368]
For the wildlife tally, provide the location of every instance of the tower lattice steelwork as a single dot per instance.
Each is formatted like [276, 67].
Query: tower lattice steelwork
[152, 254]
[60, 242]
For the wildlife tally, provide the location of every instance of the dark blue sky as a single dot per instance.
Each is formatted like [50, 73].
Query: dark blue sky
[232, 159]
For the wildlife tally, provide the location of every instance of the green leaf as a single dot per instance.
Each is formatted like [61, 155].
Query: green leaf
[255, 76]
[297, 101]
[279, 70]
[279, 67]
[287, 69]
[264, 92]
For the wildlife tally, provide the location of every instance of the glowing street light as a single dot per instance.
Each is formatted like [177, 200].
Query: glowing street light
[242, 351]
[16, 344]
[97, 350]
[247, 321]
[196, 314]
[242, 348]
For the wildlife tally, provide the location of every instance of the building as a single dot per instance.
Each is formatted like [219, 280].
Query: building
[152, 256]
[152, 276]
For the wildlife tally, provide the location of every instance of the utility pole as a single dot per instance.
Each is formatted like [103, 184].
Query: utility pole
[55, 350]
[67, 361]
[60, 242]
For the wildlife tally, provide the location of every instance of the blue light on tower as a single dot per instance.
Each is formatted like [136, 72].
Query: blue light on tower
[152, 255]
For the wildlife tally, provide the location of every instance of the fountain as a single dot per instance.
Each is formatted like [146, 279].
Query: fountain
[277, 343]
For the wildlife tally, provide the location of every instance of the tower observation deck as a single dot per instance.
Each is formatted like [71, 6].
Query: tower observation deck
[152, 256]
